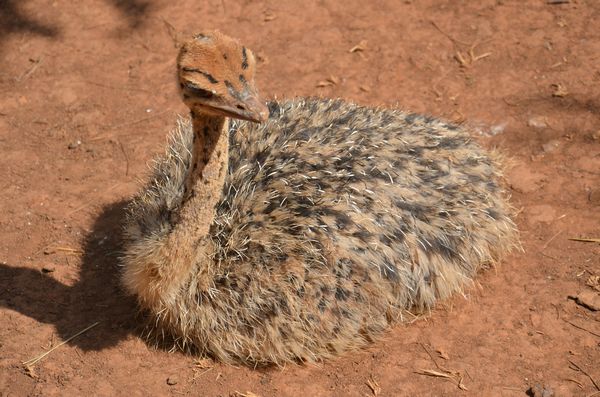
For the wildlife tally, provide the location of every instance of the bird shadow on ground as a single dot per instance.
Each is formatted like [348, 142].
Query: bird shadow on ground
[135, 11]
[13, 19]
[96, 297]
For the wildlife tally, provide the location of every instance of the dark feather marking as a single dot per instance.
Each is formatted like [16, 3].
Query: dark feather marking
[209, 76]
[197, 91]
[389, 271]
[244, 58]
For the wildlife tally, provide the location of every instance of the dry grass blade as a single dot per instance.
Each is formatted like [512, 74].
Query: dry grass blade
[247, 394]
[67, 249]
[593, 282]
[464, 62]
[476, 58]
[328, 82]
[374, 386]
[30, 371]
[362, 46]
[29, 363]
[452, 377]
[202, 366]
[431, 372]
[586, 240]
[269, 16]
[36, 64]
[461, 60]
[559, 90]
[73, 251]
[204, 363]
[551, 239]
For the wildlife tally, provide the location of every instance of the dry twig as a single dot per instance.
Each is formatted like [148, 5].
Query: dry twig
[581, 328]
[577, 367]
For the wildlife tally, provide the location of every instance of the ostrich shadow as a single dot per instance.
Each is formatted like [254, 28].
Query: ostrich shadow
[96, 297]
[135, 11]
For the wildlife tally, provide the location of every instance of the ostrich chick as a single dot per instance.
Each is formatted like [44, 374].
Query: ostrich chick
[301, 229]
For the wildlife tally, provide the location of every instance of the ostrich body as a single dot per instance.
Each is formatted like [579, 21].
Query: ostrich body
[308, 234]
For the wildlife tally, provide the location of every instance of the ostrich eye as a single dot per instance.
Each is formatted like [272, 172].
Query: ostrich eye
[197, 91]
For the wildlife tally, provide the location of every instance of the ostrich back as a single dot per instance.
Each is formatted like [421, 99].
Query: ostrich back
[334, 220]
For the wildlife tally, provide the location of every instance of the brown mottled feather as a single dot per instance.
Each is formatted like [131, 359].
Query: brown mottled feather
[332, 220]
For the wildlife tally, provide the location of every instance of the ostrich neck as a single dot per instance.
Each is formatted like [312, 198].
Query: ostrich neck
[186, 245]
[204, 182]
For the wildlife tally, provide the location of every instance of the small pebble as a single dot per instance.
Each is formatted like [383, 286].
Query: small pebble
[74, 145]
[540, 391]
[498, 129]
[551, 146]
[588, 299]
[172, 380]
[48, 269]
[537, 122]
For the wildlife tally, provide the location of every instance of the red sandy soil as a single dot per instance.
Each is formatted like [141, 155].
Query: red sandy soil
[88, 96]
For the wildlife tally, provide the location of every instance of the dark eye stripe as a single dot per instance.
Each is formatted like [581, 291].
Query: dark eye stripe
[244, 58]
[203, 73]
[197, 91]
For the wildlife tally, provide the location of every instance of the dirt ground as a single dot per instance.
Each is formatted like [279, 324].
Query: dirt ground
[88, 96]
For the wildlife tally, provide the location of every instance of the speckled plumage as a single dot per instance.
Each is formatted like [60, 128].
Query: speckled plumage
[333, 220]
